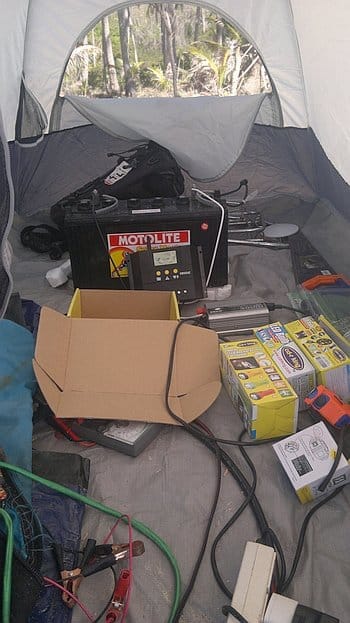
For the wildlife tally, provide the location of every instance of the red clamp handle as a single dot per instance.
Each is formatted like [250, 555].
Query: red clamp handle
[119, 596]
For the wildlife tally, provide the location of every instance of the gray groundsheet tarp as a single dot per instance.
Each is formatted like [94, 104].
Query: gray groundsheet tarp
[170, 486]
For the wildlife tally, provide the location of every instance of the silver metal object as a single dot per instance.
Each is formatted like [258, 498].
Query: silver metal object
[255, 242]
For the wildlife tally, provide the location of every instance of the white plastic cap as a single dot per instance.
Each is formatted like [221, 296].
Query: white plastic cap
[280, 609]
[60, 275]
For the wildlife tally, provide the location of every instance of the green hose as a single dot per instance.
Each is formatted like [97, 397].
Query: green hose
[7, 575]
[147, 532]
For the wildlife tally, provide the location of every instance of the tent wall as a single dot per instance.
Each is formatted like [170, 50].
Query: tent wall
[54, 27]
[7, 199]
[274, 160]
[329, 182]
[323, 29]
[12, 36]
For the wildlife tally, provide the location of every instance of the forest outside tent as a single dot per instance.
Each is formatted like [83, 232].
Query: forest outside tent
[153, 50]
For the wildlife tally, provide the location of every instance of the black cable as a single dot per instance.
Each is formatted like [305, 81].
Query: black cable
[99, 616]
[246, 489]
[324, 484]
[301, 538]
[211, 444]
[226, 610]
[268, 537]
[274, 306]
[230, 523]
[235, 190]
[95, 195]
[193, 578]
[265, 530]
[190, 427]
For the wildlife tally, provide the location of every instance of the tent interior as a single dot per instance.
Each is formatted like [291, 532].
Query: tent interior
[291, 143]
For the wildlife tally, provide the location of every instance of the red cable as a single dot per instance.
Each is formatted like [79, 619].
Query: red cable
[127, 600]
[114, 527]
[65, 590]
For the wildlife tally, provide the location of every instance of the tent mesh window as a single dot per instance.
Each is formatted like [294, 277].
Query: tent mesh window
[31, 119]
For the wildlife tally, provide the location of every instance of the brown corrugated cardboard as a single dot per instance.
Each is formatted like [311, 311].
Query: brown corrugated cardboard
[116, 368]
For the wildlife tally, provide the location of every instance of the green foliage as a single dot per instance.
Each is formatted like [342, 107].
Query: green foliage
[160, 78]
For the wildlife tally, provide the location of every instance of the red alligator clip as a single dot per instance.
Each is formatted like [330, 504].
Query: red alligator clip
[119, 597]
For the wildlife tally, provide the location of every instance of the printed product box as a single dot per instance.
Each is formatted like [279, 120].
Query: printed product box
[342, 339]
[265, 401]
[289, 358]
[331, 363]
[307, 458]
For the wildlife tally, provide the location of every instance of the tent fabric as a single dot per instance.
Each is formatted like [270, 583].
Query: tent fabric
[13, 25]
[7, 200]
[199, 142]
[322, 28]
[64, 116]
[31, 120]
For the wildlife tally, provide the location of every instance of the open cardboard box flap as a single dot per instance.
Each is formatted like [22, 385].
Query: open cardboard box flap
[117, 368]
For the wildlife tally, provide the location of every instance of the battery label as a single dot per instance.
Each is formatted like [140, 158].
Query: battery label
[120, 245]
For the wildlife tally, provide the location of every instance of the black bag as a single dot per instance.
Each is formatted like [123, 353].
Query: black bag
[149, 171]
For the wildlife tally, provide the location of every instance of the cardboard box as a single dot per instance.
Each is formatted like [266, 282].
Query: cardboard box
[109, 358]
[289, 358]
[307, 458]
[264, 399]
[331, 363]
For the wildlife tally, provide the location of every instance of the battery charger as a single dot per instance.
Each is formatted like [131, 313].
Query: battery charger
[178, 269]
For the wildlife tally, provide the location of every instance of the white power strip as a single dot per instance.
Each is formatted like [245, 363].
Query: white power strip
[253, 584]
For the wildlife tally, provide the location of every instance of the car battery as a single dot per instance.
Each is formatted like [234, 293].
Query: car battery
[99, 241]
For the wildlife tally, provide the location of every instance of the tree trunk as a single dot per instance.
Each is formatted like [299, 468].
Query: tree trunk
[220, 32]
[85, 66]
[168, 18]
[131, 26]
[236, 70]
[93, 43]
[112, 84]
[204, 22]
[198, 23]
[165, 45]
[124, 31]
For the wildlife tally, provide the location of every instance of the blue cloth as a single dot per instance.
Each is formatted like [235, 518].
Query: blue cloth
[63, 517]
[17, 384]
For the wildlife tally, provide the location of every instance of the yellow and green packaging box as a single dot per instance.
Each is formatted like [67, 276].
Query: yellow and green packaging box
[289, 358]
[331, 363]
[265, 401]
